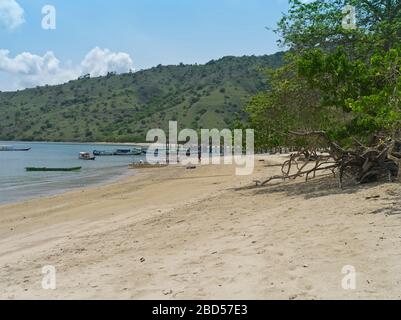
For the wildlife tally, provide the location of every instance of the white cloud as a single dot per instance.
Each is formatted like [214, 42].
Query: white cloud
[11, 14]
[28, 63]
[98, 62]
[28, 70]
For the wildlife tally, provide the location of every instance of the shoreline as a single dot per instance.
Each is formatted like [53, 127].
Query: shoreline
[172, 233]
[18, 185]
[144, 144]
[61, 191]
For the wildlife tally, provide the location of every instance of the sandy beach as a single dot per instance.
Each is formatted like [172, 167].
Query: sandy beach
[172, 233]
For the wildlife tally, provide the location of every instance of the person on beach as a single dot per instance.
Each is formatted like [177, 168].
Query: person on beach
[199, 153]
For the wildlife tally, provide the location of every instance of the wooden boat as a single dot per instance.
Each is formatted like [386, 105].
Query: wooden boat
[128, 152]
[33, 169]
[86, 156]
[145, 165]
[119, 152]
[11, 148]
[102, 153]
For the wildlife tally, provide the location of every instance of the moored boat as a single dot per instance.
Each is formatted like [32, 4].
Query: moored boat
[12, 148]
[119, 152]
[128, 152]
[86, 156]
[102, 153]
[34, 169]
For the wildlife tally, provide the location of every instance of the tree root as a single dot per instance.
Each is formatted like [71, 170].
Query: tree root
[362, 164]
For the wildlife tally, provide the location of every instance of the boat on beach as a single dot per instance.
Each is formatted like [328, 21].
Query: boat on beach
[146, 165]
[34, 169]
[86, 156]
[12, 148]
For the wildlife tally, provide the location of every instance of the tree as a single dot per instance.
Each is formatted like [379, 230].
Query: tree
[341, 85]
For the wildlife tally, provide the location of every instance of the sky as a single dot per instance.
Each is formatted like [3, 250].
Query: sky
[49, 45]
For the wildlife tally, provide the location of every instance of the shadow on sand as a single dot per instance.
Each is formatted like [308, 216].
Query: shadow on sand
[327, 186]
[393, 207]
[315, 188]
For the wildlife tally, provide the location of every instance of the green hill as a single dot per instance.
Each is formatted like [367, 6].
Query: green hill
[124, 107]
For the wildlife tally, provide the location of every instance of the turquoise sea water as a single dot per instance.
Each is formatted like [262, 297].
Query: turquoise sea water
[16, 184]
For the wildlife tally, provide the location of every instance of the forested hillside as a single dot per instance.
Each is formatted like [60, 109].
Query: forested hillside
[124, 107]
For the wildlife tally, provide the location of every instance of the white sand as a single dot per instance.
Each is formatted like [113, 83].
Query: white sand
[172, 233]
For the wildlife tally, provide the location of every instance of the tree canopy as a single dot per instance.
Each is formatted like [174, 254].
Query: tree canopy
[338, 78]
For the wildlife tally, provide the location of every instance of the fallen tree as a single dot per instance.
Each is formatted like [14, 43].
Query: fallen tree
[363, 164]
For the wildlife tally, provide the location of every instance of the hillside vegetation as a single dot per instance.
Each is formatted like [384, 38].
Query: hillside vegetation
[124, 107]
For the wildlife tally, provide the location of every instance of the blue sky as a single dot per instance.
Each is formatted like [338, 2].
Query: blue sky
[145, 32]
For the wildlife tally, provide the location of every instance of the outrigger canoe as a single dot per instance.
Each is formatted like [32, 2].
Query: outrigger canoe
[32, 169]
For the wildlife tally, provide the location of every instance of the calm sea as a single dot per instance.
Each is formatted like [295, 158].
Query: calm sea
[16, 184]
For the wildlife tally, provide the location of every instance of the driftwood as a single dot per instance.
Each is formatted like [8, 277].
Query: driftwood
[362, 164]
